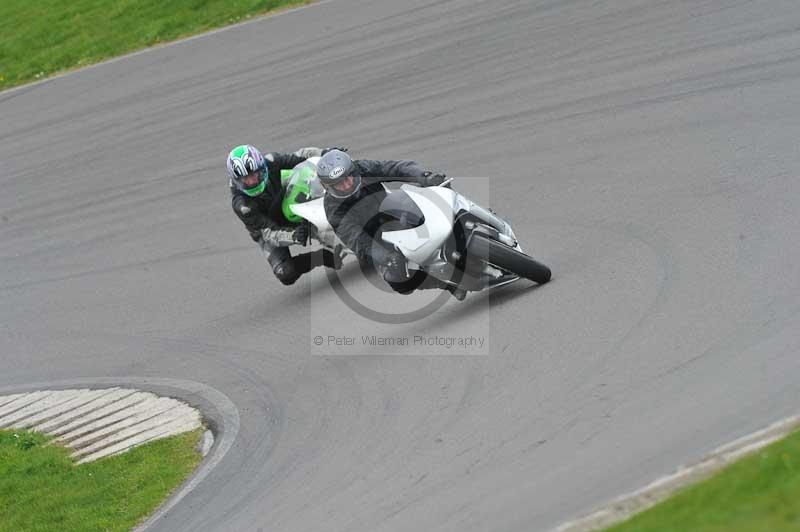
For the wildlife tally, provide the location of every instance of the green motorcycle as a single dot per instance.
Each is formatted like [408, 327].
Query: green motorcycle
[302, 200]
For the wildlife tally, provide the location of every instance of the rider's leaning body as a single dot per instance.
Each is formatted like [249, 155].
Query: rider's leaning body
[256, 197]
[355, 191]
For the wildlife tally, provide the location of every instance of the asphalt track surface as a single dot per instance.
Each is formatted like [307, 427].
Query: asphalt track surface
[646, 150]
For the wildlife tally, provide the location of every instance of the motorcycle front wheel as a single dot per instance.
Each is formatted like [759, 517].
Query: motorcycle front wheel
[500, 255]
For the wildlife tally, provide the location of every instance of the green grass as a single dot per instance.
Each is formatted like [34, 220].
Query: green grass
[41, 37]
[42, 490]
[760, 493]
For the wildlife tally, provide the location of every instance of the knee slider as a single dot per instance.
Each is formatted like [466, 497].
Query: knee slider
[283, 266]
[286, 272]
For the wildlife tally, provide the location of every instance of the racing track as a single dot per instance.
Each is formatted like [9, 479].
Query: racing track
[646, 150]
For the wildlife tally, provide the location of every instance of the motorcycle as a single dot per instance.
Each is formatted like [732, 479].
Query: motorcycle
[438, 231]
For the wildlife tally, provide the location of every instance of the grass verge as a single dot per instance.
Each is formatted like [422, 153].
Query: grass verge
[758, 493]
[38, 39]
[42, 490]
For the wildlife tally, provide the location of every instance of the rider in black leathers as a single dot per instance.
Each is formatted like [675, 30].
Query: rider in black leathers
[256, 196]
[354, 195]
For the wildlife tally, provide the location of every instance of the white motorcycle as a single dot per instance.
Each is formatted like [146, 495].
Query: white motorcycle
[437, 230]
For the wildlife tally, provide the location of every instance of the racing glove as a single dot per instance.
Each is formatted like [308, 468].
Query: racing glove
[432, 179]
[302, 233]
[326, 150]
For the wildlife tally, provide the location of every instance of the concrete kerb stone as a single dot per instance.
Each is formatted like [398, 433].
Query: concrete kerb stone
[219, 414]
[158, 417]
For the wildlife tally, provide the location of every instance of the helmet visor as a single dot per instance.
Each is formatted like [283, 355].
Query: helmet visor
[252, 184]
[345, 187]
[251, 180]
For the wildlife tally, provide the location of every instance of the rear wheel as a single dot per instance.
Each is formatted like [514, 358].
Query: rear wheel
[508, 259]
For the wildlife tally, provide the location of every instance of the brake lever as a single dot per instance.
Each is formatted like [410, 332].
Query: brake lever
[446, 182]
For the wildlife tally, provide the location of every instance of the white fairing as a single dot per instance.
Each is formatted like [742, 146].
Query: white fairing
[422, 243]
[314, 212]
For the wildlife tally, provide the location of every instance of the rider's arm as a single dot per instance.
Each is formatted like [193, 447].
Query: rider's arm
[262, 225]
[251, 217]
[349, 227]
[407, 171]
[308, 152]
[287, 161]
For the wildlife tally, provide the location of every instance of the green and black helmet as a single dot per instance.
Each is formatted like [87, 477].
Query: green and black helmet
[247, 170]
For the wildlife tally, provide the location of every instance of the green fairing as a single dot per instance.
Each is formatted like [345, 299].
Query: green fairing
[298, 189]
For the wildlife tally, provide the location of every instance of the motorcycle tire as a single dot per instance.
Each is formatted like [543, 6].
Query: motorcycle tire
[508, 259]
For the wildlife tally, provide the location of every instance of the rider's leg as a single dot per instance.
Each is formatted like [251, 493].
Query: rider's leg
[283, 266]
[305, 262]
[288, 269]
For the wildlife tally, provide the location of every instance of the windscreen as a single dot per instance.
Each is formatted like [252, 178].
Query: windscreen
[401, 207]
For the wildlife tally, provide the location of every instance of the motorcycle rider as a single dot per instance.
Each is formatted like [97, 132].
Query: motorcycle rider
[256, 196]
[352, 205]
